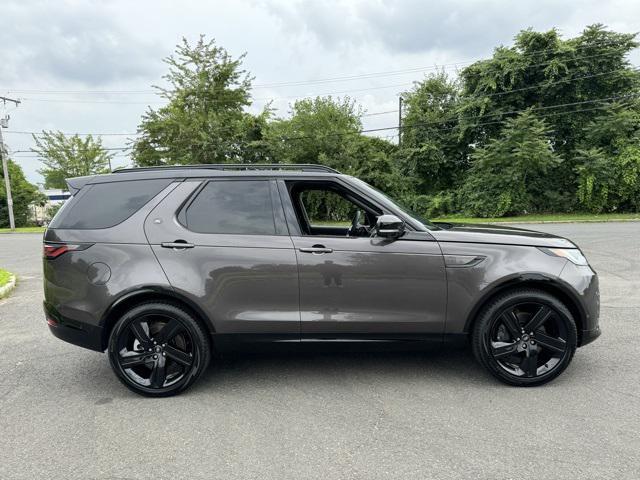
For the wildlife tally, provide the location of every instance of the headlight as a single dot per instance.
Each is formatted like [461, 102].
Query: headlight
[572, 254]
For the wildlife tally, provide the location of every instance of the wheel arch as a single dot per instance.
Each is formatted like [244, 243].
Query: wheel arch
[545, 283]
[145, 294]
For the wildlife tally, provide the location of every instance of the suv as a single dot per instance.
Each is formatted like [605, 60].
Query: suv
[164, 266]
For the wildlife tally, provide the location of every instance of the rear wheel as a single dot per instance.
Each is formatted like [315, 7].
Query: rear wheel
[158, 349]
[525, 337]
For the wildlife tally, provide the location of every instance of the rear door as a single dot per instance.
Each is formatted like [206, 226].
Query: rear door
[224, 244]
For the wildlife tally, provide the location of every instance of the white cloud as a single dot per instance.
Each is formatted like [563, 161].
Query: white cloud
[118, 45]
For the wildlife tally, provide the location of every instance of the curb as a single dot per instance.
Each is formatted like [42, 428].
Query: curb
[6, 289]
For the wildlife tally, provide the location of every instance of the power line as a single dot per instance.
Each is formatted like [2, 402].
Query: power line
[542, 84]
[22, 132]
[442, 120]
[405, 126]
[324, 94]
[342, 78]
[393, 135]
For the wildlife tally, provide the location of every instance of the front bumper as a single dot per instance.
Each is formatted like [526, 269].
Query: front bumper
[589, 336]
[77, 333]
[585, 287]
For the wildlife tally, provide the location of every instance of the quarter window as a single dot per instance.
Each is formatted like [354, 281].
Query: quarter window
[105, 205]
[240, 207]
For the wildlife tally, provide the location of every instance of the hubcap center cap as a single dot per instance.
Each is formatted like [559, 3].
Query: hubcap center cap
[525, 337]
[158, 349]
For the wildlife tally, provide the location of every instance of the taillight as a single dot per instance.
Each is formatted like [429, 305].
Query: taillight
[54, 250]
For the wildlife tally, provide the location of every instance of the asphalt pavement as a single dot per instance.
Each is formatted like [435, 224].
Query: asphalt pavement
[408, 415]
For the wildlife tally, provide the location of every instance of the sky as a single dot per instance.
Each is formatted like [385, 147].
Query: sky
[89, 66]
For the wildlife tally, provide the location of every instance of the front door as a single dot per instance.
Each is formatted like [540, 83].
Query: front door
[353, 284]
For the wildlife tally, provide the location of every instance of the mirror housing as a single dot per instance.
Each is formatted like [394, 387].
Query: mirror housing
[389, 226]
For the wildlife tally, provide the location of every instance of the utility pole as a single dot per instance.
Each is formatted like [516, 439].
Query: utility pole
[400, 120]
[4, 123]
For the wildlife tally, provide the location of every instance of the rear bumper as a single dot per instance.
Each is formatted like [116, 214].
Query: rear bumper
[71, 331]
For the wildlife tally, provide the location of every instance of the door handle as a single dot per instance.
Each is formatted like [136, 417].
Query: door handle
[316, 249]
[177, 245]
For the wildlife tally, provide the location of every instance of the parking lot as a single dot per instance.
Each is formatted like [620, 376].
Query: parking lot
[63, 414]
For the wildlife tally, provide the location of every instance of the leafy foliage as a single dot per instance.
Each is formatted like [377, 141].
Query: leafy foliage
[65, 157]
[204, 120]
[545, 125]
[23, 194]
[509, 174]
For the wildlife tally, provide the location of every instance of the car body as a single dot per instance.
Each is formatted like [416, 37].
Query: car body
[235, 248]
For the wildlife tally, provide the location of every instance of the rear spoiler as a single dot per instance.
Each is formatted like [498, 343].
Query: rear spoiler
[75, 184]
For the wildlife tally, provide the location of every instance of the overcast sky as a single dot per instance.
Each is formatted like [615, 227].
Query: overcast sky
[70, 62]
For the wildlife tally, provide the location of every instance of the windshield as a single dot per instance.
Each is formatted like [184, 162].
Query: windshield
[385, 198]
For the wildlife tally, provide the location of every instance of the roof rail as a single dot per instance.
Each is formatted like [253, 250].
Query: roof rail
[305, 167]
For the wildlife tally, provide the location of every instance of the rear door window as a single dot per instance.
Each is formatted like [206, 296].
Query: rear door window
[105, 205]
[232, 206]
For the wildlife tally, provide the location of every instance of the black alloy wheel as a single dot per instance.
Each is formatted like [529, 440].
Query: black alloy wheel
[525, 337]
[158, 349]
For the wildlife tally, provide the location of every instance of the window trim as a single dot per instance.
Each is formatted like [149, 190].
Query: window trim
[181, 214]
[354, 197]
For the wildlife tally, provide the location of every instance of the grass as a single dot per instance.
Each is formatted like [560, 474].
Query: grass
[552, 217]
[4, 277]
[23, 230]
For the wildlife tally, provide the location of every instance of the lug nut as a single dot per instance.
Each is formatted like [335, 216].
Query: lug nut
[155, 357]
[524, 345]
[518, 339]
[164, 354]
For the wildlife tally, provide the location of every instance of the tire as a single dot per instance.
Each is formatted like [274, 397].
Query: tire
[158, 349]
[509, 352]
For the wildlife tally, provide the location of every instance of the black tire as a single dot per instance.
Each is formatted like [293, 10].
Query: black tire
[158, 349]
[512, 354]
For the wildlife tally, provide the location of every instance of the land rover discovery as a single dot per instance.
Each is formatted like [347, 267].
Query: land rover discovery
[166, 267]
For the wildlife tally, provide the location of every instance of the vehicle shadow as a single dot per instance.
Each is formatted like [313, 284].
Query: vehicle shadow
[340, 366]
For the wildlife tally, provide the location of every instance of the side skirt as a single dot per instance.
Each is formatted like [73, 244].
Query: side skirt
[327, 342]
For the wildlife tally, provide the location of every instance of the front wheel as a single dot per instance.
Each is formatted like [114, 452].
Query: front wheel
[525, 337]
[158, 349]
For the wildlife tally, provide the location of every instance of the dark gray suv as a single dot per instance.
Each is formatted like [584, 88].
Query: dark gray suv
[163, 267]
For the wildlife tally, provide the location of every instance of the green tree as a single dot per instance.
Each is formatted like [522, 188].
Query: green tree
[204, 120]
[627, 185]
[433, 153]
[373, 161]
[318, 131]
[510, 173]
[65, 157]
[595, 179]
[24, 194]
[326, 131]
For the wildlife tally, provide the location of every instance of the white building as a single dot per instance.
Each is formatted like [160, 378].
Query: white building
[55, 196]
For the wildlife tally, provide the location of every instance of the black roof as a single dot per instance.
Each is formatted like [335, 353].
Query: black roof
[199, 171]
[305, 167]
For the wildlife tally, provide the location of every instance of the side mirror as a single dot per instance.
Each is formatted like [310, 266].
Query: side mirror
[389, 226]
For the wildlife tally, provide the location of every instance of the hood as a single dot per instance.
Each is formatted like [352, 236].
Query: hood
[497, 234]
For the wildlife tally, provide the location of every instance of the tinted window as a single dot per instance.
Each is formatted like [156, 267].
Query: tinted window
[242, 207]
[105, 205]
